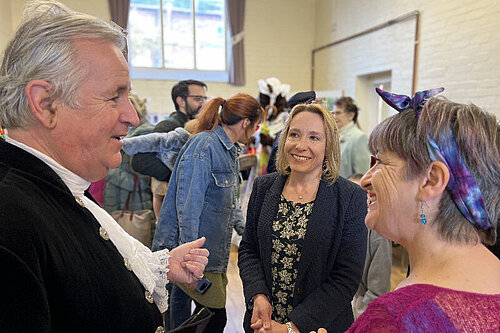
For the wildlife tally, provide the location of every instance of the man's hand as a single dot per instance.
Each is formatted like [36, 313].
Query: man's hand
[187, 262]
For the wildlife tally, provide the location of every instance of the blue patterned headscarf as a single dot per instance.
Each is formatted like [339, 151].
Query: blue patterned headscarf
[403, 102]
[461, 185]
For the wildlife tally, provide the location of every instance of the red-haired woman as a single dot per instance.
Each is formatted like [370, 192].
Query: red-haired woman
[202, 198]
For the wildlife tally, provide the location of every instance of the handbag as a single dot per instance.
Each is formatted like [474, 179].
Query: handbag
[136, 223]
[196, 323]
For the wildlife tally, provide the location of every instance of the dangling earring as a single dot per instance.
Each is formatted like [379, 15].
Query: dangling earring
[422, 215]
[325, 166]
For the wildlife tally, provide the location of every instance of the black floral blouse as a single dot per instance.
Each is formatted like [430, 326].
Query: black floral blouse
[289, 230]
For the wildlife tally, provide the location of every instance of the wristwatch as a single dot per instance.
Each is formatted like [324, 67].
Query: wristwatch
[289, 327]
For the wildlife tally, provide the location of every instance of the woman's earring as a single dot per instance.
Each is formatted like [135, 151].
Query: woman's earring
[325, 166]
[422, 215]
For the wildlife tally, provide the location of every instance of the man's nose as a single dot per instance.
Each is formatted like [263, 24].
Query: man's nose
[129, 115]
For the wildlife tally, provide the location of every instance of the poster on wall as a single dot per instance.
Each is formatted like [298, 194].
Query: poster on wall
[155, 117]
[327, 98]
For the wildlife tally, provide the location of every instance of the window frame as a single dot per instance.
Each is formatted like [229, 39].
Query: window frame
[154, 73]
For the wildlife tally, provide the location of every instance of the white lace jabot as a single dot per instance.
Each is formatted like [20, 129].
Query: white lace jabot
[149, 267]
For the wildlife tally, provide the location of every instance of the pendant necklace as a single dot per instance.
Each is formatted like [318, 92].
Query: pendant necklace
[300, 197]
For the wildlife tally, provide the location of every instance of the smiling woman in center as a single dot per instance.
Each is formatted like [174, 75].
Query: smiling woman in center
[302, 254]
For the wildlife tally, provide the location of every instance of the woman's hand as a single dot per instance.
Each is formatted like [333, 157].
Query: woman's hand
[187, 262]
[261, 315]
[321, 330]
[277, 328]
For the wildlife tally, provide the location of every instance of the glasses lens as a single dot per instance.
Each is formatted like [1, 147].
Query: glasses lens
[373, 161]
[198, 98]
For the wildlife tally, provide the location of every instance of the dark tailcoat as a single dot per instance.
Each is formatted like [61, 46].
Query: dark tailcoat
[57, 273]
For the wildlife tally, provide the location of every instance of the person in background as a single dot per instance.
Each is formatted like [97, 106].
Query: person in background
[67, 266]
[376, 278]
[355, 157]
[303, 250]
[434, 187]
[188, 96]
[120, 181]
[202, 199]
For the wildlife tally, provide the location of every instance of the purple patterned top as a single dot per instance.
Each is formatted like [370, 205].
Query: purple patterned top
[428, 308]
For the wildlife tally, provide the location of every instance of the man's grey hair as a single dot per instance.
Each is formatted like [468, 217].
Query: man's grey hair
[42, 49]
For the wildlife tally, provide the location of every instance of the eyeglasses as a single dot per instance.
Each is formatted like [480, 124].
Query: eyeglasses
[197, 98]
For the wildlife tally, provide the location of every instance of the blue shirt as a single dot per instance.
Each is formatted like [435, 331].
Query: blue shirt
[202, 198]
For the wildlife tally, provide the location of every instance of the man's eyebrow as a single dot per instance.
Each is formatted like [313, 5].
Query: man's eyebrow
[119, 88]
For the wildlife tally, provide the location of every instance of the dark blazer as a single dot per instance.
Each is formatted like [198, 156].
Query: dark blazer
[332, 258]
[57, 273]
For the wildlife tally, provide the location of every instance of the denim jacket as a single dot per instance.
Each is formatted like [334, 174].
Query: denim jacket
[202, 198]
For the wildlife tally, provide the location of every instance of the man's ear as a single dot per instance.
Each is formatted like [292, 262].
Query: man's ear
[37, 92]
[434, 182]
[180, 101]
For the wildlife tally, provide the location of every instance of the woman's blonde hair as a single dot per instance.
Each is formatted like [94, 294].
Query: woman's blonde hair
[332, 150]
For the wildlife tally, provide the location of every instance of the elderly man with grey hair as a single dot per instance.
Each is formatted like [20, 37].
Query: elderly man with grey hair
[66, 264]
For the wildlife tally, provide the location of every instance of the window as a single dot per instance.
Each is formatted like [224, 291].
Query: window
[180, 36]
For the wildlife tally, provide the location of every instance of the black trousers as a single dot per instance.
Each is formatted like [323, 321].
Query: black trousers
[218, 321]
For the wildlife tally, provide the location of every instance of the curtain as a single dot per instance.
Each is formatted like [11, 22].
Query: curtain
[236, 15]
[119, 12]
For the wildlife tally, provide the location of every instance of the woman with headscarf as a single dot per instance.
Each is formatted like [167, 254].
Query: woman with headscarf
[434, 187]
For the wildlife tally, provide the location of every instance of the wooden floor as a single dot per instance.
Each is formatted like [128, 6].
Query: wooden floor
[236, 304]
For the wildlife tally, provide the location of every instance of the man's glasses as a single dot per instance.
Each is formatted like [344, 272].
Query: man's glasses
[197, 98]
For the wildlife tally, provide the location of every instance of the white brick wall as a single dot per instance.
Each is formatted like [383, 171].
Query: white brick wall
[459, 47]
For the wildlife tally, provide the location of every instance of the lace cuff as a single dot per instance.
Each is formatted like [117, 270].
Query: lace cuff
[160, 294]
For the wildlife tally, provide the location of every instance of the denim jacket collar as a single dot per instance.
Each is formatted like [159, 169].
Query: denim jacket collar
[224, 139]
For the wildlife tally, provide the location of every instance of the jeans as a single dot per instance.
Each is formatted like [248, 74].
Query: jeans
[179, 307]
